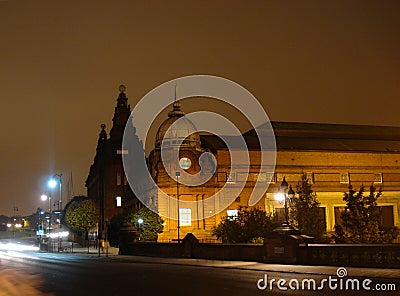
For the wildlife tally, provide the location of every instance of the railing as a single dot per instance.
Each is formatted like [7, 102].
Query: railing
[363, 255]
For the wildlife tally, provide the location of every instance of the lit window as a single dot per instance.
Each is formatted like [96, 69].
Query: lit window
[119, 201]
[232, 214]
[185, 217]
[119, 152]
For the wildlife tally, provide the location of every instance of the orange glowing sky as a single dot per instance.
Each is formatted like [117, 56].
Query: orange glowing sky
[61, 63]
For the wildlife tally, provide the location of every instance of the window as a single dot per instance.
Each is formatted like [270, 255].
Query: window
[321, 213]
[125, 180]
[378, 178]
[243, 177]
[385, 213]
[271, 177]
[344, 178]
[232, 214]
[221, 177]
[119, 152]
[231, 178]
[338, 211]
[310, 177]
[185, 163]
[119, 179]
[185, 217]
[119, 202]
[387, 217]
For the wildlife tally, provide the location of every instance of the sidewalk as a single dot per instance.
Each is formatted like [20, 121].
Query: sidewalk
[247, 265]
[265, 267]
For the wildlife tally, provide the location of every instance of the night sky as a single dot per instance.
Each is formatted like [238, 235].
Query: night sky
[61, 63]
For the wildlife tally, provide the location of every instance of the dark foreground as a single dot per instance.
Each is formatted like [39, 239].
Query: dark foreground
[34, 273]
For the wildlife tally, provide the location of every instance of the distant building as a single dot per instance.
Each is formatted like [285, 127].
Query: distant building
[333, 156]
[106, 175]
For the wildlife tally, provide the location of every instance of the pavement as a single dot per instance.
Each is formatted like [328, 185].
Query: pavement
[383, 273]
[112, 251]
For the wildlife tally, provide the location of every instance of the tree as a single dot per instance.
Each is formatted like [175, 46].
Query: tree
[305, 211]
[152, 224]
[361, 219]
[248, 226]
[116, 223]
[81, 214]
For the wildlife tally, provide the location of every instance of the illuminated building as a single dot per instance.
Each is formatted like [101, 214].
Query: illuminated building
[333, 156]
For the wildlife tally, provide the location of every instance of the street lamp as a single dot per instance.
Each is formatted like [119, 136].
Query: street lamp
[140, 221]
[184, 164]
[177, 174]
[45, 197]
[15, 209]
[52, 183]
[284, 195]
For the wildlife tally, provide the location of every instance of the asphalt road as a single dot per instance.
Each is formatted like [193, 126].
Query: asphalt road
[34, 273]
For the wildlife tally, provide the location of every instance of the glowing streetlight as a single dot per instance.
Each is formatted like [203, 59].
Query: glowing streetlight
[45, 197]
[52, 183]
[279, 197]
[284, 195]
[140, 221]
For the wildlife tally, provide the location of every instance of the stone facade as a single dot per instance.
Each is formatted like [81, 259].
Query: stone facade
[106, 180]
[332, 155]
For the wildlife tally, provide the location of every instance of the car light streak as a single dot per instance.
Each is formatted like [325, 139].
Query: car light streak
[17, 247]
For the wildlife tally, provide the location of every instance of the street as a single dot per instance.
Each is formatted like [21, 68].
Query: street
[34, 273]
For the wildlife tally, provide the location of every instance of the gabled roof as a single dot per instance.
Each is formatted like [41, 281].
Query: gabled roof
[320, 137]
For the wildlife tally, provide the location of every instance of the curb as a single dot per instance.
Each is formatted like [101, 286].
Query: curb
[265, 267]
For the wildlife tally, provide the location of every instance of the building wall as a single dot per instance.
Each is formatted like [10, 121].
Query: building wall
[325, 168]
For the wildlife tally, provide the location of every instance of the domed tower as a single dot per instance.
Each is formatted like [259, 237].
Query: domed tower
[183, 132]
[178, 133]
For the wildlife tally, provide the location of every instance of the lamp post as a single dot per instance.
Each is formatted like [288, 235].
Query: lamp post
[177, 197]
[40, 224]
[45, 197]
[15, 209]
[140, 221]
[52, 184]
[282, 243]
[284, 195]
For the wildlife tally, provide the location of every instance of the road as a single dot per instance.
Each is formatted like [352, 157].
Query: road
[35, 273]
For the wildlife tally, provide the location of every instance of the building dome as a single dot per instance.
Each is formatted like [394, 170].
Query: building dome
[184, 131]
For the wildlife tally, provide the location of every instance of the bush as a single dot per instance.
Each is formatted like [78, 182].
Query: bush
[249, 226]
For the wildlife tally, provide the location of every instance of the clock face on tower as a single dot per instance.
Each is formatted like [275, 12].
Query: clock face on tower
[185, 163]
